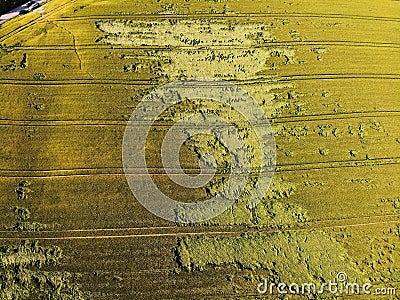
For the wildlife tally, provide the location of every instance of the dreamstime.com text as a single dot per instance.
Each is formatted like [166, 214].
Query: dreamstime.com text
[338, 287]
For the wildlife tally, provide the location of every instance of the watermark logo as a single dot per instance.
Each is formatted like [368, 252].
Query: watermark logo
[157, 102]
[340, 286]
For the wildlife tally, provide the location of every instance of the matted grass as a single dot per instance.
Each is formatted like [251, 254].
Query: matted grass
[325, 74]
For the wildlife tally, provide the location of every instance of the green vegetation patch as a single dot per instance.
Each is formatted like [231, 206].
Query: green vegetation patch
[274, 210]
[310, 256]
[23, 224]
[22, 275]
[14, 65]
